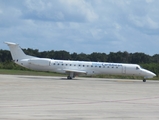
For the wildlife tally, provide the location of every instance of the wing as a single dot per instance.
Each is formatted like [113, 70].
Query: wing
[74, 71]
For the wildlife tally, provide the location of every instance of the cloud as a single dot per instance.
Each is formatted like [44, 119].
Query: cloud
[9, 16]
[60, 11]
[81, 25]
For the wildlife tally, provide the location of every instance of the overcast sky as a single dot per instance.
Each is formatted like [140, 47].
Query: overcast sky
[81, 25]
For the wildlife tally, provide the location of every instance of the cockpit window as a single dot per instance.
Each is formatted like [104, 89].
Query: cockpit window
[137, 68]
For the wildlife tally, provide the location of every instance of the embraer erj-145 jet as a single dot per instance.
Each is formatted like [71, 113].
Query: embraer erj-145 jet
[73, 68]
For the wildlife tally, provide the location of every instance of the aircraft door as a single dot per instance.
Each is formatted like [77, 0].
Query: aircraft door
[124, 70]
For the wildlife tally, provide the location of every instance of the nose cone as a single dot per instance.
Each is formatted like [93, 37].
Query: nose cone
[148, 74]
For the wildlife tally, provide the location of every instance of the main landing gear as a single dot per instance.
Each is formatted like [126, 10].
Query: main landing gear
[69, 77]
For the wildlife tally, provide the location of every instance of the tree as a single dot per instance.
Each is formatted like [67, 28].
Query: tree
[155, 58]
[98, 57]
[5, 56]
[33, 52]
[140, 58]
[63, 55]
[74, 56]
[83, 57]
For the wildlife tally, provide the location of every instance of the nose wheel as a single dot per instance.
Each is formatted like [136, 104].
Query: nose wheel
[144, 80]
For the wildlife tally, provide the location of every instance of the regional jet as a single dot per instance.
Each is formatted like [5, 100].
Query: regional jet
[74, 68]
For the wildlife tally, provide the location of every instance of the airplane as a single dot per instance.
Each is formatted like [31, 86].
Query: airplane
[74, 68]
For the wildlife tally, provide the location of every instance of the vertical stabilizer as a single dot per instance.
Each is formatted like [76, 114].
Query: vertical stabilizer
[16, 51]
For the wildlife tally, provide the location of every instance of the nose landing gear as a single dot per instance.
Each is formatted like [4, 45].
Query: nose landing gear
[144, 80]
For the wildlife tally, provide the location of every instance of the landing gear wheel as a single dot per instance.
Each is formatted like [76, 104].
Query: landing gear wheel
[68, 77]
[144, 80]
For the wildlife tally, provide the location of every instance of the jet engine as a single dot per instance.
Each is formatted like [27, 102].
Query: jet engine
[40, 62]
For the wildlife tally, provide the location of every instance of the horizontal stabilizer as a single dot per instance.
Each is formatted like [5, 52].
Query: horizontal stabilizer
[10, 43]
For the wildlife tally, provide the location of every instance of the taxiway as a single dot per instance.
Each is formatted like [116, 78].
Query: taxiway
[56, 98]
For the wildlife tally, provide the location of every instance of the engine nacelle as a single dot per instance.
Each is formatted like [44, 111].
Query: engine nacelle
[40, 61]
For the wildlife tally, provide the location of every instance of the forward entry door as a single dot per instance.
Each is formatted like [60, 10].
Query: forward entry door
[124, 70]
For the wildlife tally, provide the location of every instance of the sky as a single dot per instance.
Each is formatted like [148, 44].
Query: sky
[81, 26]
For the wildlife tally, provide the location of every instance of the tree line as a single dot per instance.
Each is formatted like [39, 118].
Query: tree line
[118, 57]
[145, 60]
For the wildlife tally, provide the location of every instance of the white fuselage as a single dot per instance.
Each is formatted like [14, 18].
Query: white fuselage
[73, 68]
[90, 68]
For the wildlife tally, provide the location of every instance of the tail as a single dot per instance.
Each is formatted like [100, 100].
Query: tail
[17, 52]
